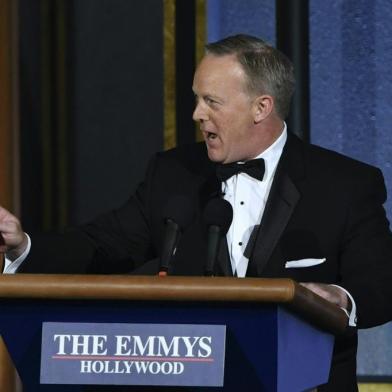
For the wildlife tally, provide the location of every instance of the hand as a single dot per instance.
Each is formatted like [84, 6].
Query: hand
[331, 293]
[13, 240]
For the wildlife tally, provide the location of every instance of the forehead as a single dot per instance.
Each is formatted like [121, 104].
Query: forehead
[214, 71]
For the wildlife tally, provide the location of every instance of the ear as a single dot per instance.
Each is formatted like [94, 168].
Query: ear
[262, 107]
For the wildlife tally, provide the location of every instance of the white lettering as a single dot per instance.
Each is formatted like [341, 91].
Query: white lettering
[85, 366]
[162, 344]
[80, 342]
[178, 368]
[141, 366]
[98, 366]
[139, 349]
[128, 365]
[108, 368]
[122, 345]
[117, 367]
[121, 367]
[205, 345]
[189, 345]
[154, 367]
[98, 342]
[62, 338]
[166, 368]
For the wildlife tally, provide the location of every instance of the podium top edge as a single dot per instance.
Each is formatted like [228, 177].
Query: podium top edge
[169, 288]
[176, 288]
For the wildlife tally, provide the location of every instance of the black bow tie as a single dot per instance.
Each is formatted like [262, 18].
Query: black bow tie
[254, 168]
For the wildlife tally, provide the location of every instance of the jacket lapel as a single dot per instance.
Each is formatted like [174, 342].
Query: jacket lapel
[281, 202]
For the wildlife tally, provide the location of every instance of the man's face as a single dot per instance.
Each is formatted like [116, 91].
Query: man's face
[224, 109]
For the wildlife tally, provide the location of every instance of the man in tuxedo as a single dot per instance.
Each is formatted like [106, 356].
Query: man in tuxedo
[299, 211]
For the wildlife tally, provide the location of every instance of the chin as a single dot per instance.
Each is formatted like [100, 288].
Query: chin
[214, 157]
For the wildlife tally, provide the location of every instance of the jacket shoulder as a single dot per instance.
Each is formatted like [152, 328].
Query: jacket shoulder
[191, 157]
[327, 162]
[340, 165]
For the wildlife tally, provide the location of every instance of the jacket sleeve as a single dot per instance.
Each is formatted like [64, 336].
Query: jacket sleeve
[366, 251]
[115, 242]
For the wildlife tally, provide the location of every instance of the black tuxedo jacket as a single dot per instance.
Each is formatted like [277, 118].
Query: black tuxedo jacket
[321, 205]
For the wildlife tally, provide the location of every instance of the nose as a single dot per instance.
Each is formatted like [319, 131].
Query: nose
[199, 114]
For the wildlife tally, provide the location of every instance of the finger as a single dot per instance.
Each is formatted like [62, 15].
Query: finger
[318, 289]
[6, 216]
[329, 293]
[310, 286]
[4, 212]
[9, 228]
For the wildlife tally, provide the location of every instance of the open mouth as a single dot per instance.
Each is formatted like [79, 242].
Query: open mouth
[211, 136]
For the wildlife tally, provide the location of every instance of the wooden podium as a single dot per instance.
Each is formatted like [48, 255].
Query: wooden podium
[271, 323]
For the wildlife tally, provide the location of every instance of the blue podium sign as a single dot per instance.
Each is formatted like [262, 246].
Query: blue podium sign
[146, 341]
[133, 354]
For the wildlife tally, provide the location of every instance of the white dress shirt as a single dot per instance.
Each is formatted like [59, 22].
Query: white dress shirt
[11, 267]
[248, 197]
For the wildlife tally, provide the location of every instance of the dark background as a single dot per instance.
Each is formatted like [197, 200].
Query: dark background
[91, 86]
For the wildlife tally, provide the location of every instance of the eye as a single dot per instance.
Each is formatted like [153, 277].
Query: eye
[210, 101]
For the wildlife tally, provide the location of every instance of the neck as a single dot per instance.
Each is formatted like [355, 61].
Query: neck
[269, 133]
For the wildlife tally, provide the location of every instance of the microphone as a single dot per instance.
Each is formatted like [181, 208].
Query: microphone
[178, 214]
[217, 215]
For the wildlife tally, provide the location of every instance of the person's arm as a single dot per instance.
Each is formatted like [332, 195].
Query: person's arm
[338, 296]
[365, 266]
[11, 266]
[114, 243]
[366, 249]
[13, 240]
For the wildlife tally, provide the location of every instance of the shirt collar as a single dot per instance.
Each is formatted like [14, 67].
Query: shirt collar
[273, 153]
